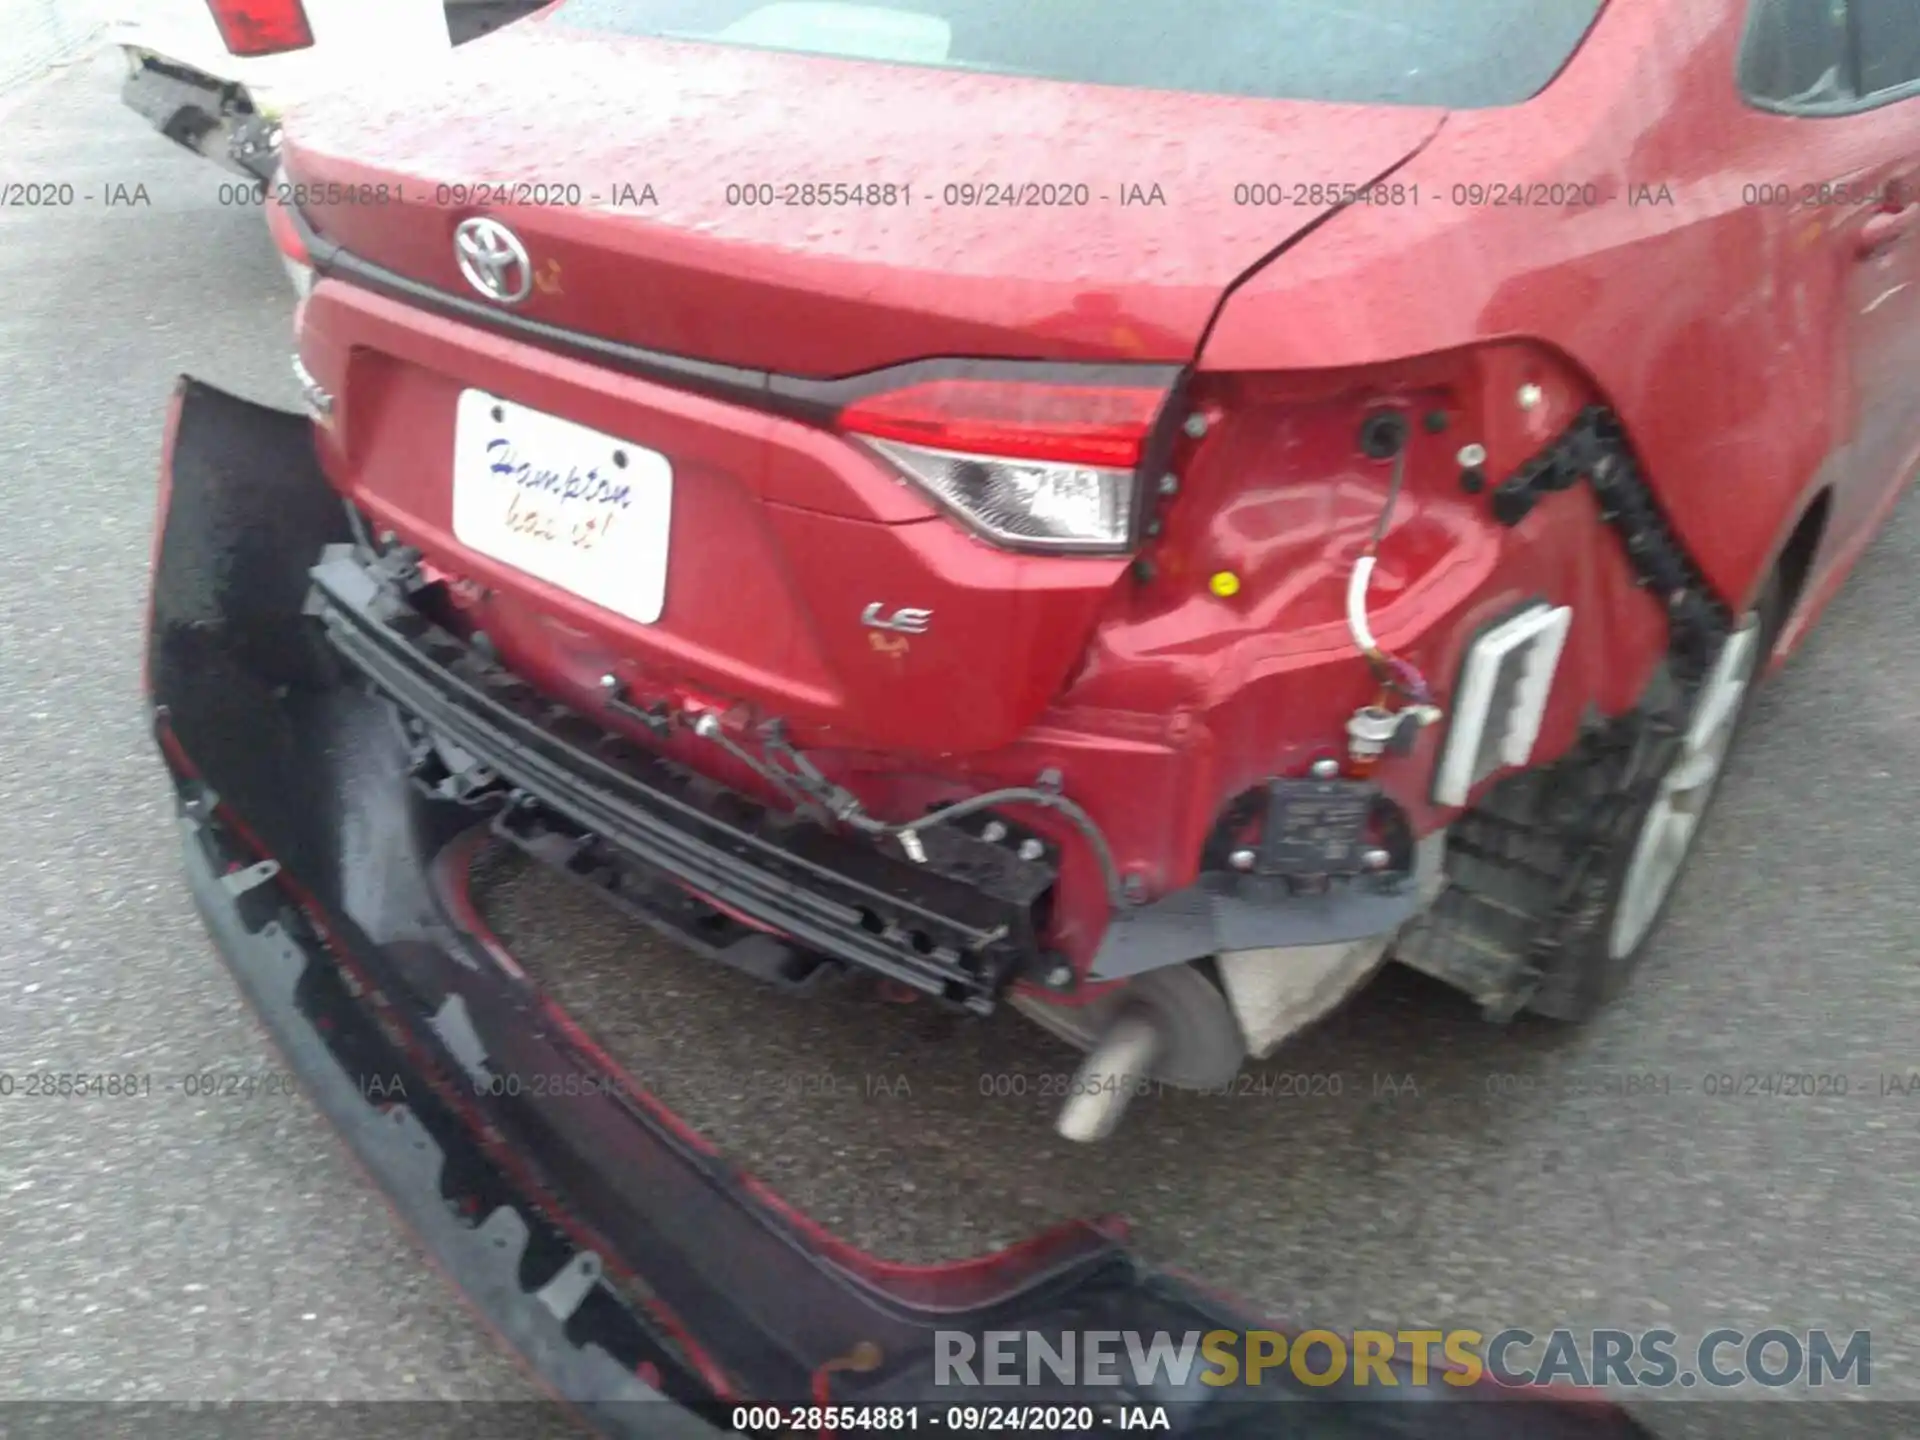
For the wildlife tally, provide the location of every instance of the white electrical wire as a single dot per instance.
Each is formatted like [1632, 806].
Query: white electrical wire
[1357, 607]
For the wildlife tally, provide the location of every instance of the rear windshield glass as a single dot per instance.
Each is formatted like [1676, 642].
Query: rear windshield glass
[1462, 54]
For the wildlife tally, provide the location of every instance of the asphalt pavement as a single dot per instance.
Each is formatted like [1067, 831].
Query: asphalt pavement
[1443, 1173]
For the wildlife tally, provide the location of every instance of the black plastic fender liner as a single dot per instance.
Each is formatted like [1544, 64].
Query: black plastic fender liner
[603, 1239]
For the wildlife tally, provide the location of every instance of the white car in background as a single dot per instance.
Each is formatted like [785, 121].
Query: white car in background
[215, 75]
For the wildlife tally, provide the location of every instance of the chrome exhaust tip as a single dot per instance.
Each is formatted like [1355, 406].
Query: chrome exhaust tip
[1108, 1078]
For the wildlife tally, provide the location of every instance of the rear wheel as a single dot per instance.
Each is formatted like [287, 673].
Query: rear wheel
[1638, 869]
[1557, 879]
[1671, 819]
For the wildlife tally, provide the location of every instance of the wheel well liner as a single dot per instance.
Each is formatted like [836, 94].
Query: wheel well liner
[1796, 559]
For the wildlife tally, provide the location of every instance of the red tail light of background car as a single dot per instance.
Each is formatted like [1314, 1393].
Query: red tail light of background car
[252, 28]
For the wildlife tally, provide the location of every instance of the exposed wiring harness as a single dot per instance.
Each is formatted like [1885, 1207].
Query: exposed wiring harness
[798, 777]
[1396, 675]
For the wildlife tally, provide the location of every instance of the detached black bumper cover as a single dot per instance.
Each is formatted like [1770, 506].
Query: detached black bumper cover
[603, 1240]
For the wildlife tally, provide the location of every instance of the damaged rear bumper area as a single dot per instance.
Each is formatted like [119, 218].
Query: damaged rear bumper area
[648, 831]
[766, 890]
[647, 1282]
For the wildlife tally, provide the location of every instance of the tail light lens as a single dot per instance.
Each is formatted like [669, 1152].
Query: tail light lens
[1029, 464]
[252, 28]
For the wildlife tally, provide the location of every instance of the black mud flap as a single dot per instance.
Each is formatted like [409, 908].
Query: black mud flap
[645, 1280]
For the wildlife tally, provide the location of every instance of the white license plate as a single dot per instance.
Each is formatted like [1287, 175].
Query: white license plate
[582, 510]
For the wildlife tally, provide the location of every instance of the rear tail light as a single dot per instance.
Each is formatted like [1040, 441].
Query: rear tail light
[251, 28]
[1040, 464]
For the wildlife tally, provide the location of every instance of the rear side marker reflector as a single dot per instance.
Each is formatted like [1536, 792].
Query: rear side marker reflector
[286, 236]
[1503, 694]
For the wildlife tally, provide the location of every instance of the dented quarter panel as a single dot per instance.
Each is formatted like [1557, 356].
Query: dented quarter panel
[1715, 327]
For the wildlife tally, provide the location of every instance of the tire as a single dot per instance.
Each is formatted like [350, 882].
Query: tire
[1618, 907]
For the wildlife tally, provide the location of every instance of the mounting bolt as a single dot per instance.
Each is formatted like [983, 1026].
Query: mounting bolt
[706, 725]
[1060, 976]
[1242, 859]
[1530, 397]
[1326, 769]
[1196, 425]
[993, 832]
[387, 537]
[1031, 849]
[1169, 484]
[1376, 859]
[1471, 457]
[610, 684]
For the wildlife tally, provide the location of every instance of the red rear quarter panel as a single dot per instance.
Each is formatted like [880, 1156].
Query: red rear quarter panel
[1705, 321]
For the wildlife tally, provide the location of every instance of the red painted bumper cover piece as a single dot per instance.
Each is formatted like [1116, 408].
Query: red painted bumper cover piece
[604, 1240]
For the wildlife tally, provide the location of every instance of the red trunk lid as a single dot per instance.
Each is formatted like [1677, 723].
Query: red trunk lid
[782, 535]
[652, 157]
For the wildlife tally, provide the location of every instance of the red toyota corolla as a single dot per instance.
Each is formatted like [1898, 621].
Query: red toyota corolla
[1137, 511]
